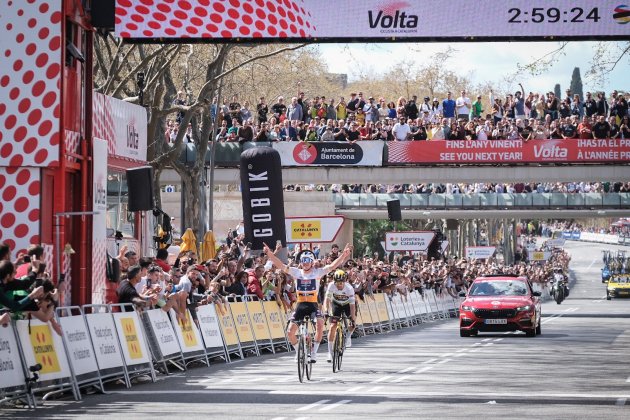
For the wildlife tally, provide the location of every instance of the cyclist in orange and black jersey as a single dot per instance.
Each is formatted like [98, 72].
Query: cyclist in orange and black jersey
[307, 288]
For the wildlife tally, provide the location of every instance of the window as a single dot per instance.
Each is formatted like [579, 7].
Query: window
[118, 218]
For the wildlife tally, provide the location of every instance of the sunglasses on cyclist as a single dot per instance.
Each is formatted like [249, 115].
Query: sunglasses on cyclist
[305, 260]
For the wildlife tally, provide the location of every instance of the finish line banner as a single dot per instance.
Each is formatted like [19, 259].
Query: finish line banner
[370, 19]
[329, 153]
[510, 151]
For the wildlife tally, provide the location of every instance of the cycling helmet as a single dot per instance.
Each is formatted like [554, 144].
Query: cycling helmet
[340, 275]
[306, 256]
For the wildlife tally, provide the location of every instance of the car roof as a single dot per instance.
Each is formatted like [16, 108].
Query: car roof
[500, 277]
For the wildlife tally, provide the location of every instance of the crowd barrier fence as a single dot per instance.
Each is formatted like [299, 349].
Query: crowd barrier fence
[105, 343]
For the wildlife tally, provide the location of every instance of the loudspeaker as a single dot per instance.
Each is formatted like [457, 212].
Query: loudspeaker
[103, 14]
[393, 210]
[452, 224]
[140, 188]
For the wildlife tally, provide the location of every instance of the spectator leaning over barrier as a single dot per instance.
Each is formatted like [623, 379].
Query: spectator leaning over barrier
[254, 285]
[127, 292]
[11, 297]
[34, 253]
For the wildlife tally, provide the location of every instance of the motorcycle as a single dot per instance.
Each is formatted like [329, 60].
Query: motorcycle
[559, 288]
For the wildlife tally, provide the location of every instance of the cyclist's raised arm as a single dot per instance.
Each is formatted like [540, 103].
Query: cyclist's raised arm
[274, 259]
[347, 252]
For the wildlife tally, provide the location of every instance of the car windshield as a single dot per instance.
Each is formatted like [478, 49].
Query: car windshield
[498, 288]
[622, 280]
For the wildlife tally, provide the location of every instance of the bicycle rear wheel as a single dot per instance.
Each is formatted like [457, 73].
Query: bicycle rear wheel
[301, 359]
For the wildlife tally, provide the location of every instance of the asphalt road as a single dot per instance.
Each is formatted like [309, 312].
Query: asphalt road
[579, 368]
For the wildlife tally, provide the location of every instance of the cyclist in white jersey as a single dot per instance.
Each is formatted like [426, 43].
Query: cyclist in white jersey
[307, 287]
[339, 300]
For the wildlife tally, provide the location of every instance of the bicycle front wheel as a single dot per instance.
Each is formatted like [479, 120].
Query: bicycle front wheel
[336, 358]
[309, 365]
[301, 359]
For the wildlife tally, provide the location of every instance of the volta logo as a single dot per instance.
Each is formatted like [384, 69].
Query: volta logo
[133, 138]
[392, 18]
[550, 152]
[622, 14]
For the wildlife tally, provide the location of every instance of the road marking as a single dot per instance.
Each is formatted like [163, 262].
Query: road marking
[374, 389]
[593, 263]
[476, 344]
[335, 405]
[621, 401]
[486, 339]
[278, 418]
[628, 380]
[227, 380]
[315, 404]
[428, 361]
[406, 369]
[498, 339]
[424, 369]
[281, 380]
[256, 379]
[488, 344]
[384, 378]
[461, 350]
[474, 350]
[444, 361]
[356, 388]
[402, 378]
[447, 355]
[460, 354]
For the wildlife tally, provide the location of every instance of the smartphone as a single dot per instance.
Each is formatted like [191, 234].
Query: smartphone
[278, 242]
[249, 245]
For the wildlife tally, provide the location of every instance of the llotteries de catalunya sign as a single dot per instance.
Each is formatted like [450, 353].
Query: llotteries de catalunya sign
[408, 241]
[480, 252]
[510, 151]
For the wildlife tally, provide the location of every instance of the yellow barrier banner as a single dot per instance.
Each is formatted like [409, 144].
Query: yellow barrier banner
[131, 337]
[44, 348]
[190, 339]
[241, 321]
[363, 314]
[259, 322]
[381, 307]
[274, 319]
[229, 330]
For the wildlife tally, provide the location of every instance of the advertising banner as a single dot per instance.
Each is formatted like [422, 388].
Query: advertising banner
[42, 345]
[78, 343]
[480, 252]
[559, 242]
[241, 321]
[259, 323]
[330, 153]
[99, 222]
[408, 241]
[539, 255]
[381, 307]
[187, 333]
[510, 151]
[123, 125]
[163, 331]
[209, 325]
[274, 319]
[131, 337]
[11, 369]
[102, 330]
[313, 229]
[229, 330]
[371, 19]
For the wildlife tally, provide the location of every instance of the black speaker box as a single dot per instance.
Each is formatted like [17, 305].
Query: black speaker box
[393, 210]
[140, 188]
[103, 14]
[452, 224]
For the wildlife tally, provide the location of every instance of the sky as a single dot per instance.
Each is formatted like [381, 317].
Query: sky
[481, 62]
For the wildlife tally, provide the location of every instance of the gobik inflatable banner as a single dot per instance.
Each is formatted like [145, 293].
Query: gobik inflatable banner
[263, 201]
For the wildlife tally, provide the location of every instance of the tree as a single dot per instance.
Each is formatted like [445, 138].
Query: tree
[557, 91]
[576, 83]
[200, 71]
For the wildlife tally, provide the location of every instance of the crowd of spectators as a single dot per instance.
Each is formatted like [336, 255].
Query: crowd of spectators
[472, 188]
[516, 116]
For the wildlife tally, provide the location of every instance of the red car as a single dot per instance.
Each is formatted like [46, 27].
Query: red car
[500, 303]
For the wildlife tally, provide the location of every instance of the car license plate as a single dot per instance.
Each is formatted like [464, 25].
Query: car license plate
[496, 321]
[624, 292]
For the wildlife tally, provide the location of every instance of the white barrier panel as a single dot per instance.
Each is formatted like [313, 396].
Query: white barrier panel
[187, 333]
[131, 336]
[78, 344]
[103, 333]
[164, 333]
[43, 346]
[11, 370]
[209, 324]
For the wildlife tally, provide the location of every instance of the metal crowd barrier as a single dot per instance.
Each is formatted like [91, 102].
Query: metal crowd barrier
[104, 343]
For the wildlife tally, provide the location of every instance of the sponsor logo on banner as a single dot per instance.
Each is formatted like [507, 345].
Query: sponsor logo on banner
[78, 344]
[229, 332]
[539, 256]
[10, 363]
[480, 252]
[190, 340]
[306, 230]
[44, 348]
[558, 242]
[330, 153]
[102, 331]
[408, 241]
[131, 338]
[390, 18]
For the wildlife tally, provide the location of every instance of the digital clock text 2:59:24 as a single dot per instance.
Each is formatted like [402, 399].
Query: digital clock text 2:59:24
[552, 15]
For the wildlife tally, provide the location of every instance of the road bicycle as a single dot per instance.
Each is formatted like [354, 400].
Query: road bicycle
[339, 346]
[305, 335]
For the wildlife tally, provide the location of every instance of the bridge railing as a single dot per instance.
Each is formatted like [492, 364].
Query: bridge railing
[485, 200]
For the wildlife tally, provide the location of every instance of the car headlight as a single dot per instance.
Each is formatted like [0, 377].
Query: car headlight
[467, 308]
[524, 308]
